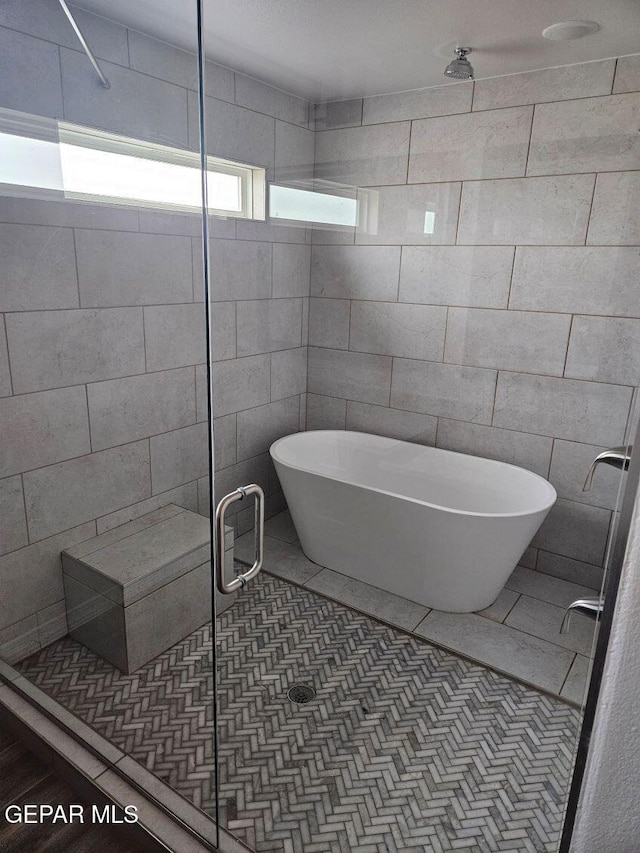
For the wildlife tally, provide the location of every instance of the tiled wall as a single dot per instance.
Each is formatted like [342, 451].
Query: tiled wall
[102, 345]
[505, 324]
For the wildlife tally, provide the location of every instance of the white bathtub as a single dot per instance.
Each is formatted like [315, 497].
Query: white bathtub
[440, 528]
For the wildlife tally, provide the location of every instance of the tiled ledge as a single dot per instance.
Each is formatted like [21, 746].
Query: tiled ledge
[518, 635]
[102, 773]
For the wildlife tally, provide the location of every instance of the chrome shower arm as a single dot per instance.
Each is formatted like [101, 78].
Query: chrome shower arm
[84, 44]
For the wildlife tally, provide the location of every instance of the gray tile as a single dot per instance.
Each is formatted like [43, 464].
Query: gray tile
[40, 429]
[575, 530]
[512, 340]
[136, 104]
[52, 623]
[288, 373]
[627, 77]
[31, 256]
[456, 275]
[441, 148]
[325, 412]
[67, 214]
[584, 280]
[356, 376]
[294, 152]
[258, 428]
[355, 272]
[333, 115]
[225, 441]
[418, 103]
[124, 410]
[92, 485]
[5, 376]
[587, 135]
[612, 223]
[569, 466]
[258, 96]
[219, 81]
[280, 558]
[364, 156]
[377, 602]
[254, 470]
[575, 686]
[544, 620]
[268, 325]
[574, 571]
[241, 384]
[185, 496]
[532, 452]
[179, 224]
[49, 349]
[291, 270]
[408, 331]
[504, 648]
[240, 270]
[546, 588]
[117, 268]
[380, 420]
[29, 75]
[604, 349]
[175, 335]
[281, 527]
[13, 523]
[580, 80]
[271, 231]
[526, 211]
[19, 640]
[443, 390]
[529, 558]
[414, 214]
[590, 412]
[501, 607]
[162, 60]
[234, 132]
[34, 575]
[329, 323]
[179, 457]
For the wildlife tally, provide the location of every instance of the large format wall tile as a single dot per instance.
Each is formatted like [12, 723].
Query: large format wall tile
[125, 410]
[527, 211]
[234, 132]
[422, 213]
[136, 105]
[39, 429]
[13, 523]
[355, 272]
[443, 390]
[175, 335]
[512, 340]
[291, 270]
[490, 144]
[364, 156]
[352, 375]
[583, 80]
[325, 412]
[569, 466]
[5, 376]
[288, 373]
[258, 428]
[92, 485]
[575, 530]
[29, 75]
[333, 115]
[329, 323]
[179, 457]
[116, 268]
[456, 275]
[517, 448]
[295, 147]
[627, 74]
[418, 103]
[38, 268]
[584, 280]
[49, 349]
[241, 384]
[261, 98]
[268, 325]
[590, 412]
[605, 349]
[67, 214]
[410, 331]
[381, 420]
[240, 269]
[589, 135]
[614, 219]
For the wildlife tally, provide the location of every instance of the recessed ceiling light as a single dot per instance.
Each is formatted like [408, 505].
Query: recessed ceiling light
[568, 30]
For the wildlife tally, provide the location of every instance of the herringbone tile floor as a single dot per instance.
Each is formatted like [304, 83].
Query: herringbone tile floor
[405, 746]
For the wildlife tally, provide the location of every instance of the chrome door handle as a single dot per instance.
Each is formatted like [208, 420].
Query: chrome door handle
[239, 581]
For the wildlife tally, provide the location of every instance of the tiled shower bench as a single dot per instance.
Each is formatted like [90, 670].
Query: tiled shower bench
[136, 590]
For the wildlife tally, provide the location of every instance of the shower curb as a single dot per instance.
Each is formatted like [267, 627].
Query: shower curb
[102, 774]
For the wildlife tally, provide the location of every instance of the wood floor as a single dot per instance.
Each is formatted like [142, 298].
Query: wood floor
[24, 779]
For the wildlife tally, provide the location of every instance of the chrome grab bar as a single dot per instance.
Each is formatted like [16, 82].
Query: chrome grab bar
[240, 581]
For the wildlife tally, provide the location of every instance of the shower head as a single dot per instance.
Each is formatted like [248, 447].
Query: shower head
[460, 68]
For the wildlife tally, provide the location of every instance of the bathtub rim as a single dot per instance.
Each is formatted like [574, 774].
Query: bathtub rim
[543, 508]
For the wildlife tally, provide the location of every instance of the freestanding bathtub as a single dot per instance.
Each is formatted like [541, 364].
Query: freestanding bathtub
[440, 528]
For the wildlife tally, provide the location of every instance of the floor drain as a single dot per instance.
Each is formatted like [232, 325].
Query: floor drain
[301, 693]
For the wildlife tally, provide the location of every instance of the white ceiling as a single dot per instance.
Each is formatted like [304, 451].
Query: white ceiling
[334, 49]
